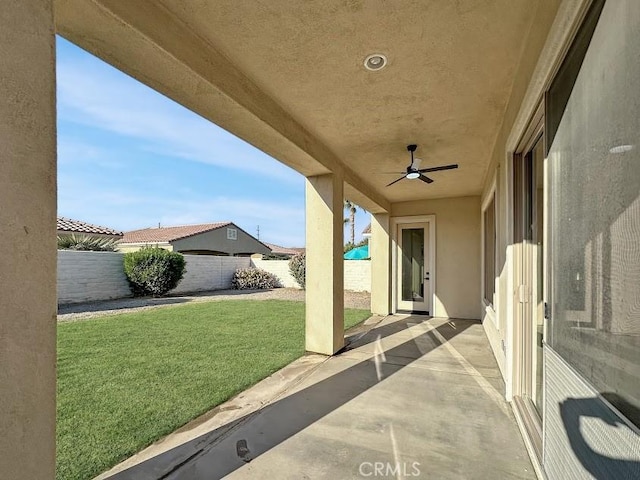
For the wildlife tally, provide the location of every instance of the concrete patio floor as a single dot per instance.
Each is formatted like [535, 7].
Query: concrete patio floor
[413, 397]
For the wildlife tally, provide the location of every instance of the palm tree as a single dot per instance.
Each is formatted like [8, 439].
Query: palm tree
[352, 207]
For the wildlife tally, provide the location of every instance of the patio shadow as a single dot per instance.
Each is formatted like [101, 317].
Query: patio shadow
[222, 451]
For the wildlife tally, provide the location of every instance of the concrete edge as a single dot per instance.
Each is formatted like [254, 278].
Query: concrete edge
[245, 405]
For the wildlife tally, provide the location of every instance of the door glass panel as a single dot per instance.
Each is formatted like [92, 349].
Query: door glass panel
[537, 237]
[529, 318]
[530, 235]
[413, 264]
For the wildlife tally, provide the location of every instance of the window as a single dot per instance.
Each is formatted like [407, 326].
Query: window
[489, 228]
[594, 210]
[232, 234]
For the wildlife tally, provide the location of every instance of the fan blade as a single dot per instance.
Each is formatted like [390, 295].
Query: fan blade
[425, 179]
[437, 169]
[395, 181]
[391, 173]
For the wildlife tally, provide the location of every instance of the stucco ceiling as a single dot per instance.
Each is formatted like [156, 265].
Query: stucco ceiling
[450, 71]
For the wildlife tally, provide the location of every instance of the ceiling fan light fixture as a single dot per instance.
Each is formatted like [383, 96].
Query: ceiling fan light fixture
[375, 62]
[413, 173]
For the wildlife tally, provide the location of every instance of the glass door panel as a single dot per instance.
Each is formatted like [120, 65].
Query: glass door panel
[529, 321]
[413, 264]
[532, 274]
[413, 270]
[538, 264]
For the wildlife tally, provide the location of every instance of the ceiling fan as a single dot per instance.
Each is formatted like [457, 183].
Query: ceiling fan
[413, 172]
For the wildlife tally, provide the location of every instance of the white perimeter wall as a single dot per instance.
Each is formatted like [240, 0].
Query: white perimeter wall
[280, 268]
[90, 276]
[205, 272]
[357, 273]
[87, 276]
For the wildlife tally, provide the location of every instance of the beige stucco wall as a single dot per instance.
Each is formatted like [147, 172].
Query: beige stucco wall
[28, 225]
[457, 252]
[324, 315]
[380, 251]
[496, 322]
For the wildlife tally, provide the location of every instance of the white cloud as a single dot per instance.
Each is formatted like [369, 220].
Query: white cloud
[94, 94]
[74, 152]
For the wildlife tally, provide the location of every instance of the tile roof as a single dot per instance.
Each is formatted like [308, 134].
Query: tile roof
[169, 234]
[367, 229]
[69, 225]
[283, 250]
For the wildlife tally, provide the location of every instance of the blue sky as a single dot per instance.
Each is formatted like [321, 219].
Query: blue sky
[130, 158]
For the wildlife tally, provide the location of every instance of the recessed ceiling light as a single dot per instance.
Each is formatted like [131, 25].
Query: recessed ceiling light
[621, 149]
[375, 61]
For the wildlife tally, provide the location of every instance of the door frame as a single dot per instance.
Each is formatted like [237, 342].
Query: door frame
[524, 276]
[395, 247]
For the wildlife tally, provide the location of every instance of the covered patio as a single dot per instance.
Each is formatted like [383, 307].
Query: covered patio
[507, 90]
[410, 396]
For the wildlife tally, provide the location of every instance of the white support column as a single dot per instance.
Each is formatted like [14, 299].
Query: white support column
[28, 226]
[324, 332]
[380, 251]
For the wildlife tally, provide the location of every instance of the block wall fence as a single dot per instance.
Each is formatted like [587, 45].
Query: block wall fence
[357, 273]
[94, 276]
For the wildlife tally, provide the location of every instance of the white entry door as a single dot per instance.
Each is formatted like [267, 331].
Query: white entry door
[414, 276]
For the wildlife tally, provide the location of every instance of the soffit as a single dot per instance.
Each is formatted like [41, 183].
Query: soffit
[450, 71]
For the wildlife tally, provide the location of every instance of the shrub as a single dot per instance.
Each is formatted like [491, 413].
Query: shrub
[297, 268]
[254, 279]
[153, 271]
[86, 243]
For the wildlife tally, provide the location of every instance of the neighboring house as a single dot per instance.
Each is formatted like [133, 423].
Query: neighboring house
[280, 253]
[366, 233]
[222, 238]
[68, 227]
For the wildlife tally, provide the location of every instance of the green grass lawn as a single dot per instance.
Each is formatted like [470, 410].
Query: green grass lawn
[126, 380]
